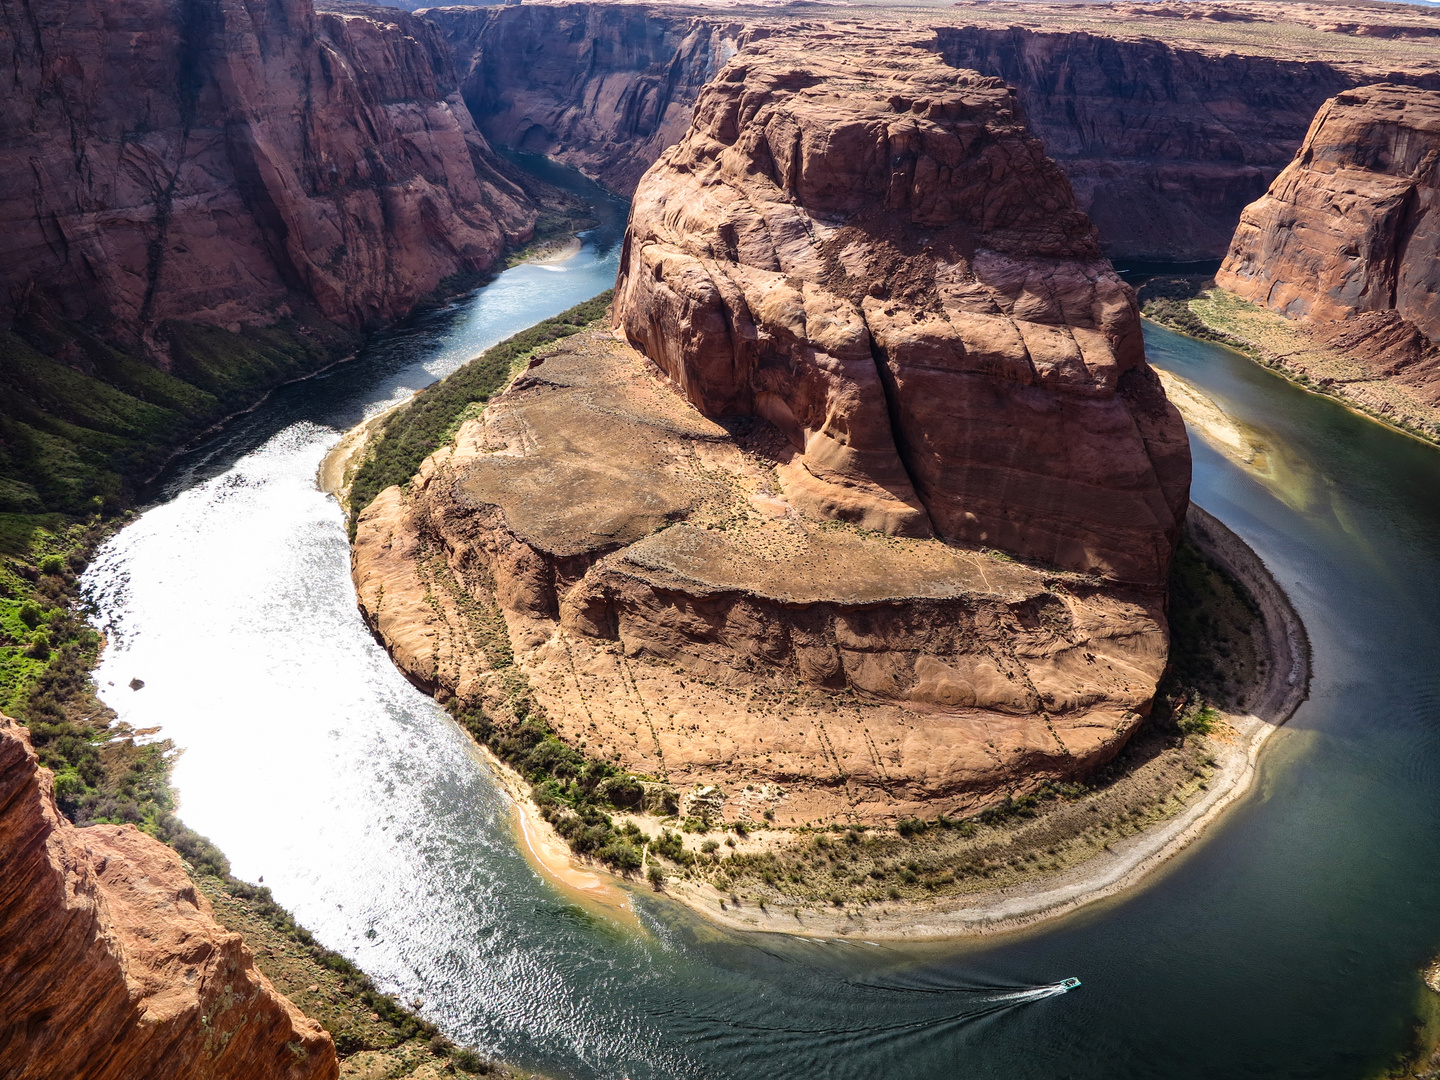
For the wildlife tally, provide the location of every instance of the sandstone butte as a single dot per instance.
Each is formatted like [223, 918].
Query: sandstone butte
[231, 164]
[111, 965]
[871, 336]
[1347, 239]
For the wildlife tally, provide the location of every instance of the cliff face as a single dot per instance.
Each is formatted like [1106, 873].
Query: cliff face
[868, 249]
[1163, 145]
[1347, 239]
[111, 966]
[603, 87]
[225, 163]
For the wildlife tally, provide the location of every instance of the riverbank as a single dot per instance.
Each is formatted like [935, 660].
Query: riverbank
[1115, 864]
[1194, 306]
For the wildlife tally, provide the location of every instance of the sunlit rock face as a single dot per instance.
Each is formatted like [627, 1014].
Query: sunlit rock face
[1347, 238]
[866, 247]
[111, 964]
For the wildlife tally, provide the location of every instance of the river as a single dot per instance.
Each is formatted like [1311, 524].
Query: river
[1285, 944]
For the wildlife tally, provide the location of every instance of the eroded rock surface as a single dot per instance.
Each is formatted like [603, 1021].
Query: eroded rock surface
[228, 163]
[111, 966]
[866, 247]
[670, 608]
[1347, 239]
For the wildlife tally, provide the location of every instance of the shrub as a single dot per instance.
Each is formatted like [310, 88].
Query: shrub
[656, 877]
[908, 827]
[30, 614]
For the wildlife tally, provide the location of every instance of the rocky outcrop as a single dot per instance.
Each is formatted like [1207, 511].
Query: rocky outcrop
[866, 247]
[596, 547]
[230, 163]
[1347, 239]
[1165, 135]
[111, 966]
[602, 87]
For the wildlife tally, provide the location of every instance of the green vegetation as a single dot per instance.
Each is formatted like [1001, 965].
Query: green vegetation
[84, 424]
[1166, 300]
[431, 419]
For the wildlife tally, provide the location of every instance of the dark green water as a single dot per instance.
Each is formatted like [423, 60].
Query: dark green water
[1286, 944]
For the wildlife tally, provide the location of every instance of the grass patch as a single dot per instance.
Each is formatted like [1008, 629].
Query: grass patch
[430, 420]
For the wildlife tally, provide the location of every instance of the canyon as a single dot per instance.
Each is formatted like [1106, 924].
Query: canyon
[1168, 122]
[111, 963]
[866, 327]
[715, 552]
[232, 165]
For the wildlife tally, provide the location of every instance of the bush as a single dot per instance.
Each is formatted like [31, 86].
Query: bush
[656, 877]
[39, 646]
[908, 827]
[31, 613]
[470, 1061]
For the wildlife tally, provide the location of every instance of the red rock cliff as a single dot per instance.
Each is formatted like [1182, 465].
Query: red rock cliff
[111, 966]
[1348, 236]
[603, 87]
[223, 162]
[1165, 134]
[866, 247]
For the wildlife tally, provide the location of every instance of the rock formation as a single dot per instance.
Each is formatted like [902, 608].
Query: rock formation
[670, 609]
[1168, 120]
[229, 163]
[872, 322]
[602, 87]
[868, 249]
[1347, 239]
[111, 966]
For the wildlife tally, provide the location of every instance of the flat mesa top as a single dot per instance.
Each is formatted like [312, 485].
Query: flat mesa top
[591, 453]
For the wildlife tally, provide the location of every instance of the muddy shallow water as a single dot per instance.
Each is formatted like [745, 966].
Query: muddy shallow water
[1286, 944]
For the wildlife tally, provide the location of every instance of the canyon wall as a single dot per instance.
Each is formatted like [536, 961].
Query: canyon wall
[868, 249]
[1347, 239]
[602, 87]
[1164, 144]
[228, 163]
[111, 965]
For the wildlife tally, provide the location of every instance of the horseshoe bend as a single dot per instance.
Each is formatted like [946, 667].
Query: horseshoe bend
[869, 496]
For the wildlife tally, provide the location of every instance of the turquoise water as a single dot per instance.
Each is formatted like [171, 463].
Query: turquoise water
[1286, 944]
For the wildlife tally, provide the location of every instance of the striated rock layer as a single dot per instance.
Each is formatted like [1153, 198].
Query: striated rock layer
[111, 966]
[1347, 239]
[603, 87]
[866, 247]
[671, 609]
[1168, 120]
[225, 163]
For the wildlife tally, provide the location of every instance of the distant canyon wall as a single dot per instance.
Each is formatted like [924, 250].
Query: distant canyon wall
[1163, 145]
[603, 87]
[112, 966]
[227, 162]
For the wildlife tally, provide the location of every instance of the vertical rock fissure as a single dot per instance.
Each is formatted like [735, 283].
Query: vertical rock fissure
[892, 411]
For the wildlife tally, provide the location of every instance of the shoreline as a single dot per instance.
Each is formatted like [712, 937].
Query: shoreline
[1302, 342]
[1118, 868]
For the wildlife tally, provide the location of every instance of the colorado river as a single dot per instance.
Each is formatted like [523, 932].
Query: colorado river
[1286, 944]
